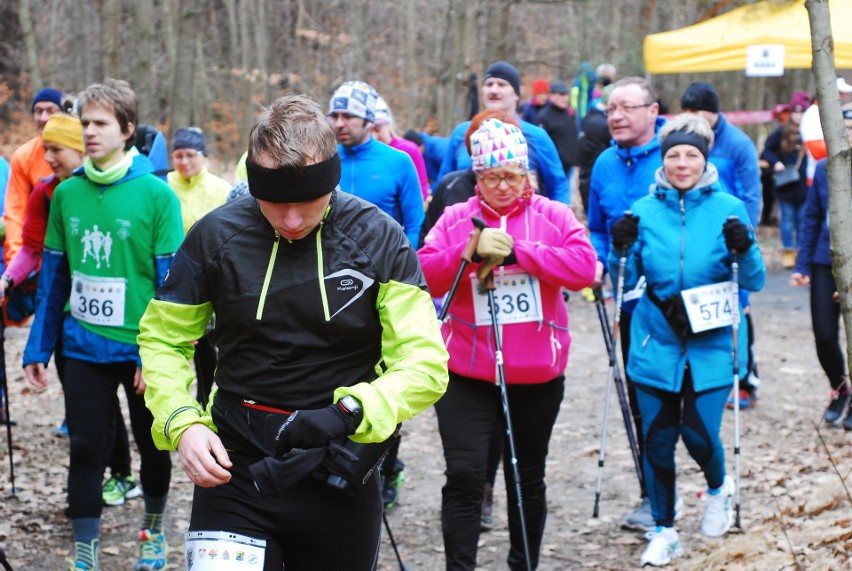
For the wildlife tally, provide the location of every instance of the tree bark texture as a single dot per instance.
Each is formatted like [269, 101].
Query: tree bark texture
[838, 165]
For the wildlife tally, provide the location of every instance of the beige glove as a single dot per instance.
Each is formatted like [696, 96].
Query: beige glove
[494, 243]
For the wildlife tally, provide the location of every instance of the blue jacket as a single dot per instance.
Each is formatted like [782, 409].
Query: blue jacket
[544, 159]
[54, 287]
[434, 150]
[619, 178]
[385, 177]
[681, 246]
[735, 157]
[814, 237]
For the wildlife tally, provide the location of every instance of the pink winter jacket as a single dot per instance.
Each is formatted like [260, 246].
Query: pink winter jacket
[550, 244]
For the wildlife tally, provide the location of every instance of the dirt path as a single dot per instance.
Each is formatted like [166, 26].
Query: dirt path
[791, 494]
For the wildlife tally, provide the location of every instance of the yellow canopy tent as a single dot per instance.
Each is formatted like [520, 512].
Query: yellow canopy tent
[719, 44]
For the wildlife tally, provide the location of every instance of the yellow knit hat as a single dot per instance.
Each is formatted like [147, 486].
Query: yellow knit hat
[65, 130]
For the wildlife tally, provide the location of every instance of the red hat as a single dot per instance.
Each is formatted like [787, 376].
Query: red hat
[540, 86]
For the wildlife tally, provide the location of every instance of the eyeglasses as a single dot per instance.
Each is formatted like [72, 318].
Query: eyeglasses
[626, 108]
[493, 180]
[190, 156]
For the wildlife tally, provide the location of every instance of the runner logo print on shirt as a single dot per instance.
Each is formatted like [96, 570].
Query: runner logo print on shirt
[95, 299]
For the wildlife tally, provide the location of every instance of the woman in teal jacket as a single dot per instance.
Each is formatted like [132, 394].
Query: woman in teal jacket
[685, 234]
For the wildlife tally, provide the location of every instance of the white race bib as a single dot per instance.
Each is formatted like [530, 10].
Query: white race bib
[517, 296]
[223, 551]
[98, 301]
[710, 306]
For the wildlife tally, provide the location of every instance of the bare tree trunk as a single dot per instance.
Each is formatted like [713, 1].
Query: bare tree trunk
[183, 75]
[838, 166]
[245, 78]
[145, 83]
[411, 67]
[111, 39]
[260, 46]
[30, 44]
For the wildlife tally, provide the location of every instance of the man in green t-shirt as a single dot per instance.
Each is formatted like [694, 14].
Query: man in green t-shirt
[112, 232]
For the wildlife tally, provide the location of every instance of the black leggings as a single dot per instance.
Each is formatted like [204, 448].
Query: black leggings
[308, 529]
[467, 416]
[90, 400]
[825, 314]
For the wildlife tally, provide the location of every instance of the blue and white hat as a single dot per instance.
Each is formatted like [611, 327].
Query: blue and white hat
[355, 98]
[498, 144]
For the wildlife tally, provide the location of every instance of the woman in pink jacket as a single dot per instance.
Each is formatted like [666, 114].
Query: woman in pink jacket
[539, 247]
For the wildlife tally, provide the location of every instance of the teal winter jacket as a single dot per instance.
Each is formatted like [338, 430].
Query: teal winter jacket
[681, 246]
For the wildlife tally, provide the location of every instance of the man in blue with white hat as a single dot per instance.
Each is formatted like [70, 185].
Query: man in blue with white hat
[371, 170]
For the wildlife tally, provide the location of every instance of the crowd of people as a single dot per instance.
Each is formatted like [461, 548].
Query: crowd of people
[307, 296]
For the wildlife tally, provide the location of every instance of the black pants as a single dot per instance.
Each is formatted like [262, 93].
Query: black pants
[90, 400]
[467, 415]
[825, 314]
[309, 528]
[635, 411]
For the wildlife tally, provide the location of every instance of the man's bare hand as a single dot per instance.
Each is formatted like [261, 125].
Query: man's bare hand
[36, 374]
[203, 457]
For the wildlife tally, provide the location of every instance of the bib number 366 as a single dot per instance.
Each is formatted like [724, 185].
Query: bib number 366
[98, 301]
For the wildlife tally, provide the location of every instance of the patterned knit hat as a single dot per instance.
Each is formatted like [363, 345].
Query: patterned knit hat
[355, 98]
[498, 144]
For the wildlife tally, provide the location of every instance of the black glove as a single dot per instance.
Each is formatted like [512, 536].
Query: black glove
[313, 429]
[737, 239]
[272, 477]
[625, 231]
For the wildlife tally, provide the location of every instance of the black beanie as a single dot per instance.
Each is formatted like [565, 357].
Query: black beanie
[506, 71]
[700, 96]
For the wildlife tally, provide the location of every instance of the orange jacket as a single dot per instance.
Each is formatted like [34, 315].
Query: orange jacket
[27, 168]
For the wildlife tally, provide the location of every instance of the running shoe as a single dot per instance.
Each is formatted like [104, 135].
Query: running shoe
[837, 407]
[748, 399]
[119, 488]
[663, 546]
[718, 511]
[85, 557]
[61, 431]
[153, 551]
[642, 519]
[392, 484]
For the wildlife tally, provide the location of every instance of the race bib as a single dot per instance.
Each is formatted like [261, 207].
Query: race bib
[710, 306]
[517, 296]
[98, 301]
[223, 551]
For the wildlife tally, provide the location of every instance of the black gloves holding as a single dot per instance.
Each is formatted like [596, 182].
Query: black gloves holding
[625, 231]
[313, 429]
[736, 235]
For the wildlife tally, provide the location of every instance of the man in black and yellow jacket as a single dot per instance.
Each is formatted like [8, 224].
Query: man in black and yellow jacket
[325, 330]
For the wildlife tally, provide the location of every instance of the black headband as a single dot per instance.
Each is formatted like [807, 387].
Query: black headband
[290, 184]
[684, 138]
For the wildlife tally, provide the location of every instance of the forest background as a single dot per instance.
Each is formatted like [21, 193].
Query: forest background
[211, 63]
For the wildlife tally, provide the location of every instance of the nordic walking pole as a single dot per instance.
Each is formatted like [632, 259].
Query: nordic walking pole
[735, 295]
[402, 566]
[5, 386]
[619, 298]
[608, 398]
[467, 258]
[616, 377]
[487, 282]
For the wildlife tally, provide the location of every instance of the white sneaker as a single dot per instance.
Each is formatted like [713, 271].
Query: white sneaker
[642, 519]
[718, 511]
[663, 546]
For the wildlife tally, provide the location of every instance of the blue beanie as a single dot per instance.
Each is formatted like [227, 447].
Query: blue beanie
[47, 94]
[190, 138]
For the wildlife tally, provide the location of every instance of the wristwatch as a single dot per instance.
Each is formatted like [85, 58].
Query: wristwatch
[352, 407]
